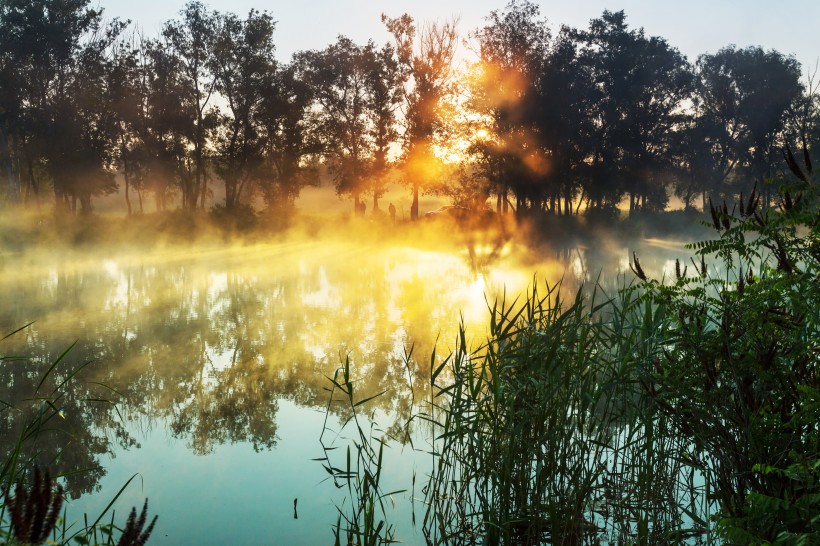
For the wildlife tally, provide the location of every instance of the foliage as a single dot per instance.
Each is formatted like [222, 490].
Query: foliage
[364, 510]
[555, 124]
[738, 374]
[679, 410]
[542, 436]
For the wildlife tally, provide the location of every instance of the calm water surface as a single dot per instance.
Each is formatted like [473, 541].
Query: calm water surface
[208, 366]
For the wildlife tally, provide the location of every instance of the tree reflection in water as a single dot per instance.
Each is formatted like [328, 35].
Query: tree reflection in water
[206, 341]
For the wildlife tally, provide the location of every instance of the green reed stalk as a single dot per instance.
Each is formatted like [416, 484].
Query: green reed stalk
[544, 436]
[362, 519]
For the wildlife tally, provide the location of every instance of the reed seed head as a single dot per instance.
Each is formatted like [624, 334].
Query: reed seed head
[33, 513]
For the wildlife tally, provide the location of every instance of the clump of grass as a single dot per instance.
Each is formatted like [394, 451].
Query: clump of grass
[680, 411]
[31, 515]
[362, 519]
[543, 437]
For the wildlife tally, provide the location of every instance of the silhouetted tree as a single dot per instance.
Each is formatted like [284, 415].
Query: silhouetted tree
[512, 49]
[190, 41]
[290, 137]
[566, 99]
[355, 88]
[127, 93]
[243, 65]
[426, 60]
[386, 85]
[743, 100]
[168, 127]
[56, 54]
[642, 84]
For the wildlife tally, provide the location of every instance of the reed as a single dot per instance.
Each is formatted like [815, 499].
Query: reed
[675, 411]
[543, 436]
[363, 513]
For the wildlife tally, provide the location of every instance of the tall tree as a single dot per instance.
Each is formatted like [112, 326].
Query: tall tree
[743, 101]
[642, 84]
[427, 62]
[127, 93]
[386, 83]
[243, 64]
[59, 54]
[357, 90]
[290, 136]
[190, 40]
[167, 127]
[567, 96]
[512, 49]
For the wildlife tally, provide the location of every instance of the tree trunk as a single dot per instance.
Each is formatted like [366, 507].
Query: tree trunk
[85, 204]
[125, 177]
[13, 178]
[127, 197]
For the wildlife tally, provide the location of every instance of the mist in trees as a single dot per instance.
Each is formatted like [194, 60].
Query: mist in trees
[521, 118]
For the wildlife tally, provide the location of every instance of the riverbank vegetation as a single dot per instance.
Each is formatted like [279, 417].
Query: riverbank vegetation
[679, 410]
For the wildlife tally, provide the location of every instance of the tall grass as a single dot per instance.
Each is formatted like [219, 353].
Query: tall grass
[543, 435]
[363, 513]
[683, 410]
[25, 496]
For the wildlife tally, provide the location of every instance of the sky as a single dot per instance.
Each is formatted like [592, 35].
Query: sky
[694, 27]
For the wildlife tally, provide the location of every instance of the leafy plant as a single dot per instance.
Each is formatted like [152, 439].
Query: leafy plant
[738, 373]
[362, 517]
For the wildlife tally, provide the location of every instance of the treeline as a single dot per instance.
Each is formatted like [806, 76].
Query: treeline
[540, 122]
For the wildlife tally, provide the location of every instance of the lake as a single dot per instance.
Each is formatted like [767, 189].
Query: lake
[206, 365]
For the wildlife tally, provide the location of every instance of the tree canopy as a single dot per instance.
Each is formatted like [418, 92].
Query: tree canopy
[538, 121]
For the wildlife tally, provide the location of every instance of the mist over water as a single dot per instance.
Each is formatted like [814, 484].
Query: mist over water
[216, 357]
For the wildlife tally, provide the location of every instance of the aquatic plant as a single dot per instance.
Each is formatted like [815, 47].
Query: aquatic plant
[362, 519]
[739, 373]
[135, 532]
[34, 508]
[33, 512]
[678, 410]
[542, 436]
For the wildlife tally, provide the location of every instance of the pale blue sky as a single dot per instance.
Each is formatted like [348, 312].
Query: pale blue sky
[694, 26]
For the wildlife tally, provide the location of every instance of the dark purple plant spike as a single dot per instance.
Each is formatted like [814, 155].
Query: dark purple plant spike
[133, 534]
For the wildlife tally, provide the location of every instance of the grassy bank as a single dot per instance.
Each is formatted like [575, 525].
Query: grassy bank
[684, 410]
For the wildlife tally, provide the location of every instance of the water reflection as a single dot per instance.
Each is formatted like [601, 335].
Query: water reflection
[206, 343]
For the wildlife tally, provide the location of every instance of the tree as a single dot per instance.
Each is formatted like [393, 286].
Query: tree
[642, 86]
[512, 49]
[290, 137]
[427, 64]
[127, 93]
[167, 128]
[56, 53]
[742, 102]
[385, 82]
[243, 64]
[563, 117]
[356, 89]
[11, 102]
[189, 42]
